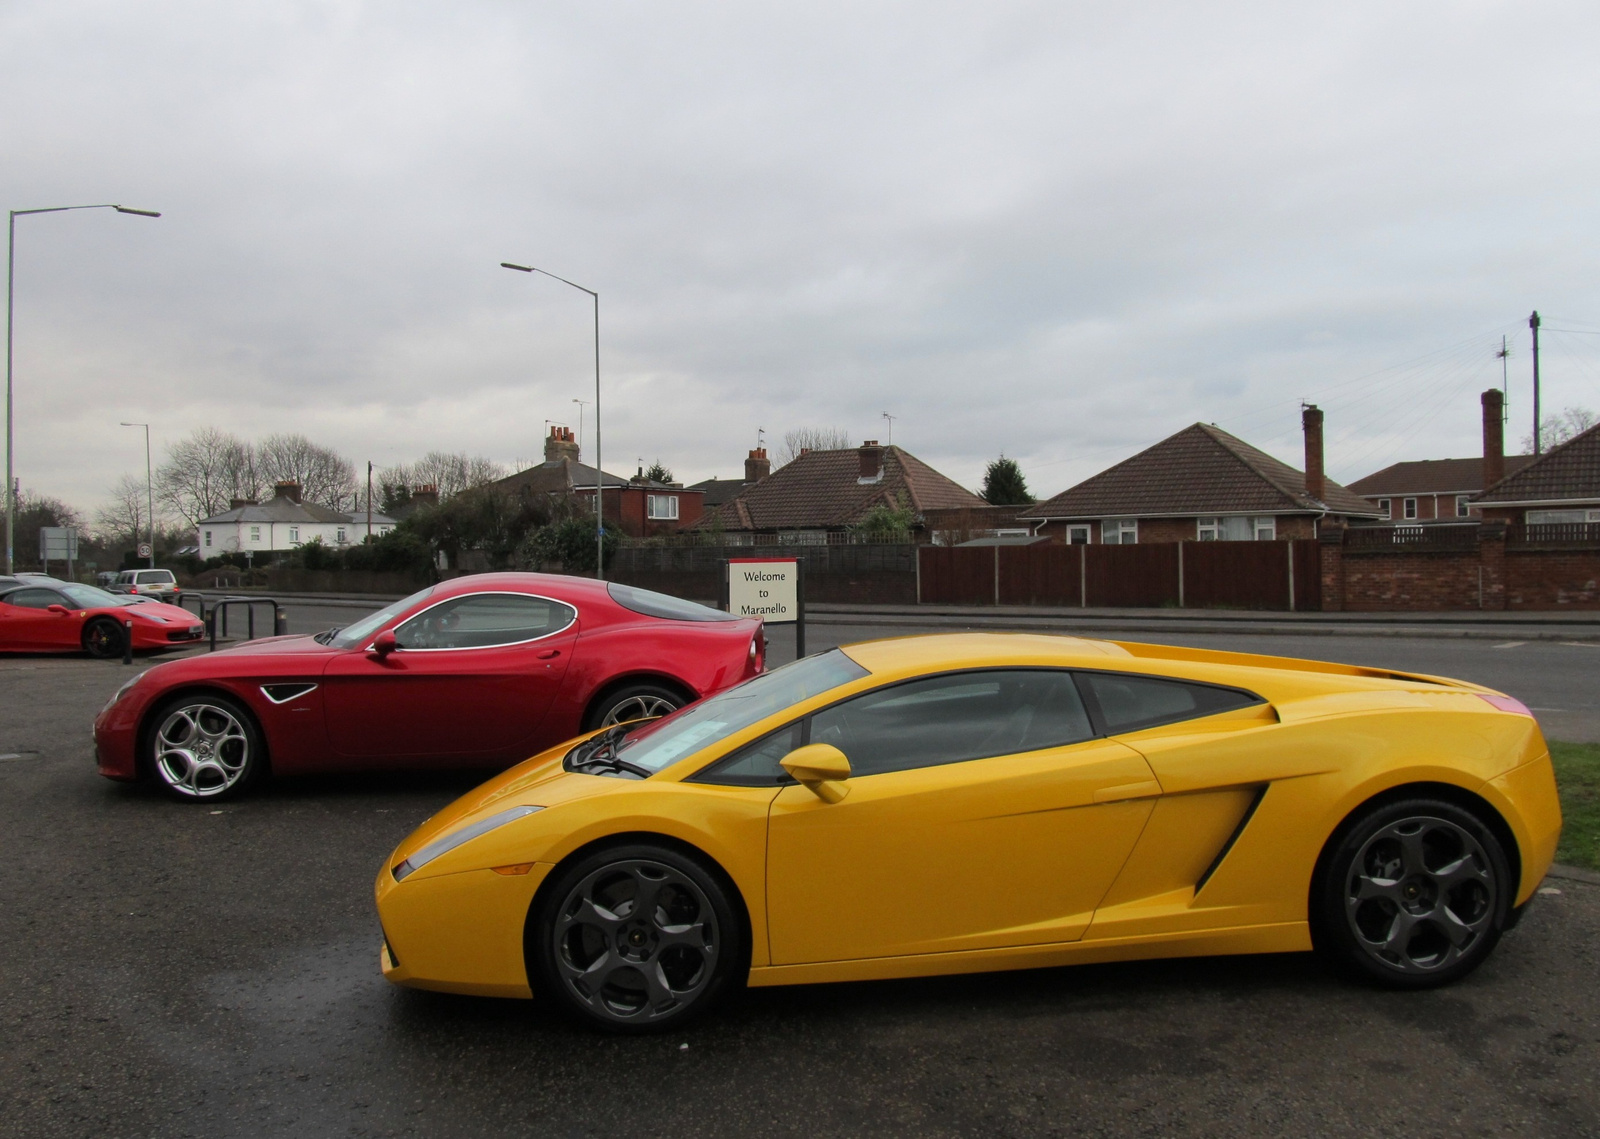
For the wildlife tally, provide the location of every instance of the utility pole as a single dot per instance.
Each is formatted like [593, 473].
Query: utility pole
[369, 500]
[1533, 323]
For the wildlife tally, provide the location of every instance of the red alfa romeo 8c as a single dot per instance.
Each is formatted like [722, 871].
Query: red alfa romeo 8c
[478, 672]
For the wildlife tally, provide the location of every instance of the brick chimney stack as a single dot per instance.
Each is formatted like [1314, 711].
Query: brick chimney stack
[871, 461]
[1316, 480]
[426, 494]
[756, 465]
[560, 445]
[289, 490]
[236, 503]
[1494, 437]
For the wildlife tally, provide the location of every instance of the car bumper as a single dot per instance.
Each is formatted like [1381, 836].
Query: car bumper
[115, 737]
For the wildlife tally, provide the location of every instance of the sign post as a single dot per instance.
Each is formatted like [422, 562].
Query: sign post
[773, 589]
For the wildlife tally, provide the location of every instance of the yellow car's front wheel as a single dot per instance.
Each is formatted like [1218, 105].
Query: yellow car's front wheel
[635, 938]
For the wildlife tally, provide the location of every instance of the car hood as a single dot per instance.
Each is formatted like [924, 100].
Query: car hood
[159, 609]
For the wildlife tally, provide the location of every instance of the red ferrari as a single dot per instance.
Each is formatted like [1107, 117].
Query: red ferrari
[479, 671]
[42, 615]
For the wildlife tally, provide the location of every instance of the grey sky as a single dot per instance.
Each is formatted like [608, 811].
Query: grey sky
[1061, 231]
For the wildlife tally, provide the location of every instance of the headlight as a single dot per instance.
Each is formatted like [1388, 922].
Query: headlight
[450, 841]
[125, 689]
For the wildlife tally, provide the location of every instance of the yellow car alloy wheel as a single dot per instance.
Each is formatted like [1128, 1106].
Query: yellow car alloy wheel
[633, 937]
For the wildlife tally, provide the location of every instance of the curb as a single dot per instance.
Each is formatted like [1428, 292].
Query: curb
[1574, 874]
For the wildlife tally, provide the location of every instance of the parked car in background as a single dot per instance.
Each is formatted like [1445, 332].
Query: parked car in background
[105, 579]
[157, 583]
[479, 671]
[45, 615]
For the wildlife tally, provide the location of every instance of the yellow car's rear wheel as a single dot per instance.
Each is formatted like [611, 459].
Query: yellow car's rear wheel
[635, 938]
[1415, 894]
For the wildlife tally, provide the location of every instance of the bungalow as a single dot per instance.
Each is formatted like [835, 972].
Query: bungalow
[1562, 486]
[1201, 484]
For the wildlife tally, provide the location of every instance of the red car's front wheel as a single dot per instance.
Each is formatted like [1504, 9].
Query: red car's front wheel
[103, 638]
[205, 746]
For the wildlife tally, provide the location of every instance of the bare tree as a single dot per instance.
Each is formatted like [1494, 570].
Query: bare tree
[1557, 429]
[125, 515]
[812, 439]
[452, 473]
[205, 471]
[324, 475]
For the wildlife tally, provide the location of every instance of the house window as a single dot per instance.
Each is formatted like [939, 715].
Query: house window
[1237, 528]
[1387, 507]
[1557, 517]
[382, 530]
[208, 537]
[1462, 509]
[1410, 507]
[663, 507]
[294, 533]
[1266, 529]
[341, 536]
[1119, 531]
[1078, 535]
[255, 533]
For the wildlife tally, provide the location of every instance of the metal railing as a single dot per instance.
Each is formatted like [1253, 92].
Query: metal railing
[217, 616]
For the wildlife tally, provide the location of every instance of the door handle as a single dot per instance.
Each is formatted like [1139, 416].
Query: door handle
[549, 655]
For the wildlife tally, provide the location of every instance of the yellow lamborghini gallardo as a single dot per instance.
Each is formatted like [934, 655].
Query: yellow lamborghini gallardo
[950, 804]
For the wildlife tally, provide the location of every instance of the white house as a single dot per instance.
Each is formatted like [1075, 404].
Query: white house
[284, 523]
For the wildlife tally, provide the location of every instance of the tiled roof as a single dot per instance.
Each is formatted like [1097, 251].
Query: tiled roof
[558, 476]
[1200, 470]
[283, 509]
[822, 490]
[1569, 472]
[718, 491]
[1432, 476]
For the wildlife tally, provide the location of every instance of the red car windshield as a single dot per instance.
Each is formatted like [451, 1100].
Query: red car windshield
[355, 636]
[88, 597]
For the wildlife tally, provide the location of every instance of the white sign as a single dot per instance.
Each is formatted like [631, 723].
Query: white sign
[58, 543]
[144, 549]
[765, 589]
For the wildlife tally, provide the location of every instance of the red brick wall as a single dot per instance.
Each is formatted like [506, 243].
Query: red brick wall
[1490, 577]
[1552, 579]
[1409, 581]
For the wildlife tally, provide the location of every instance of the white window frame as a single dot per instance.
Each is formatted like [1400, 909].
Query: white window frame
[661, 507]
[1208, 529]
[208, 537]
[255, 533]
[341, 538]
[1122, 528]
[294, 535]
[1543, 517]
[1264, 528]
[1387, 506]
[1408, 508]
[1079, 534]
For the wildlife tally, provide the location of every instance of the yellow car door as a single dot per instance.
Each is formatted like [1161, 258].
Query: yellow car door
[980, 811]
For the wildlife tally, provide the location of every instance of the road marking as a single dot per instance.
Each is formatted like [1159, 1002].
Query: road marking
[1548, 890]
[11, 756]
[1547, 709]
[1581, 644]
[1511, 644]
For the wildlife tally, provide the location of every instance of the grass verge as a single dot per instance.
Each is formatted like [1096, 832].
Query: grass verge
[1578, 778]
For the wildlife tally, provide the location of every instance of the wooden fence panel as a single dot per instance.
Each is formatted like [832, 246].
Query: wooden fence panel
[1040, 575]
[956, 575]
[1307, 575]
[1236, 575]
[1132, 576]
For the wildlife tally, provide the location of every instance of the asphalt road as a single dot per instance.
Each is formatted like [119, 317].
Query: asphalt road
[179, 970]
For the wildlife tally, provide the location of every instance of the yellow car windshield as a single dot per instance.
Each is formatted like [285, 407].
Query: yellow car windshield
[700, 725]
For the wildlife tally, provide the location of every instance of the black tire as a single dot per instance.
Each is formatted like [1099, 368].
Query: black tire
[592, 955]
[103, 638]
[643, 700]
[1412, 894]
[203, 747]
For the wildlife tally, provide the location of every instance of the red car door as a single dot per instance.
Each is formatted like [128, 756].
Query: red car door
[27, 622]
[469, 680]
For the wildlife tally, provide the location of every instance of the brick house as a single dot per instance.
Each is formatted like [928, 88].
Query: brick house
[826, 492]
[639, 507]
[1562, 486]
[1441, 490]
[718, 491]
[1201, 484]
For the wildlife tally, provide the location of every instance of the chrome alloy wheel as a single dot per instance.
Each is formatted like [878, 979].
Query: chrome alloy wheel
[642, 707]
[1420, 894]
[201, 750]
[636, 941]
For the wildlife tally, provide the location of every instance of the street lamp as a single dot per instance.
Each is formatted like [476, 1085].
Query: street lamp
[599, 476]
[11, 280]
[582, 403]
[149, 490]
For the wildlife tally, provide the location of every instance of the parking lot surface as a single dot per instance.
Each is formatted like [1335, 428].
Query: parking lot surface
[212, 970]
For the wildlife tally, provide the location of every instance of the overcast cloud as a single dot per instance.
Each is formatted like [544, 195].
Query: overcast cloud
[1061, 231]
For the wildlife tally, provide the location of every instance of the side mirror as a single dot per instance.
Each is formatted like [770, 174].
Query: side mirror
[58, 610]
[823, 768]
[384, 644]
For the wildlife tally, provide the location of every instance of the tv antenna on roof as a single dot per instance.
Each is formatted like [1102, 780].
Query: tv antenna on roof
[889, 438]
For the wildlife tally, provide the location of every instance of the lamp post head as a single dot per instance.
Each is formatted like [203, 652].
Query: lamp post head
[141, 213]
[518, 268]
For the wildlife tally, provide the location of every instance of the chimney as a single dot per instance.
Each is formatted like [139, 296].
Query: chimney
[1494, 437]
[289, 490]
[1311, 421]
[756, 465]
[235, 503]
[426, 494]
[560, 445]
[871, 461]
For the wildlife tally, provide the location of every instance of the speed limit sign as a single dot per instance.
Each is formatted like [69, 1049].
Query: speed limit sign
[144, 549]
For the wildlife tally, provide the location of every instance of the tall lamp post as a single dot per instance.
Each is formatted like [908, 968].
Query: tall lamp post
[599, 476]
[11, 282]
[149, 490]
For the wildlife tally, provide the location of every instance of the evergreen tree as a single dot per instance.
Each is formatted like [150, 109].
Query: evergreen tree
[1003, 484]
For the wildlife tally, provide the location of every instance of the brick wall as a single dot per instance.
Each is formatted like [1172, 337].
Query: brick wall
[1490, 577]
